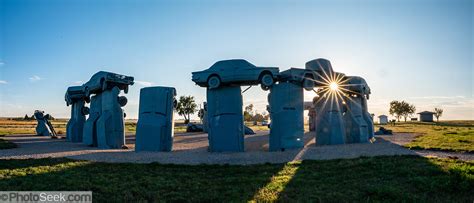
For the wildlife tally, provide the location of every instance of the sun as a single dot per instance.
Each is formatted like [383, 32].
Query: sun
[333, 86]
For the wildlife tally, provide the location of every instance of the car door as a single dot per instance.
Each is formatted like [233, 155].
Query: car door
[243, 72]
[226, 72]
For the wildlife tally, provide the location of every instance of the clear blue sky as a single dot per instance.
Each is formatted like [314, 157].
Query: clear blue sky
[418, 50]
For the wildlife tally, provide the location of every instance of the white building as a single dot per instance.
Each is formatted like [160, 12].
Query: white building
[383, 119]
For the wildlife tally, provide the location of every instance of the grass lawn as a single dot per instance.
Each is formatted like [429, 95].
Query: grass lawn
[14, 127]
[390, 178]
[449, 136]
[4, 144]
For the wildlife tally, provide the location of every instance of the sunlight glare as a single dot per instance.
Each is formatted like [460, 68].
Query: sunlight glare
[333, 86]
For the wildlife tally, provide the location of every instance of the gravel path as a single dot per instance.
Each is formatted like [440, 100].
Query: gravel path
[192, 149]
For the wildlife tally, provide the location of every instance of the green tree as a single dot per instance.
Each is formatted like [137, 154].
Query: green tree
[395, 109]
[258, 117]
[407, 110]
[26, 117]
[401, 109]
[438, 113]
[248, 113]
[186, 107]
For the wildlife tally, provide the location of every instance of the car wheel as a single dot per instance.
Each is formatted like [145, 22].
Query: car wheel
[87, 99]
[308, 84]
[122, 101]
[213, 82]
[85, 110]
[267, 79]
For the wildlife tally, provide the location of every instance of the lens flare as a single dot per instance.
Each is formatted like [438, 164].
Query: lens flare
[333, 86]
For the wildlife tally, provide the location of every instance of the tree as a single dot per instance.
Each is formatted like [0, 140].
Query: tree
[26, 117]
[186, 107]
[438, 113]
[408, 110]
[248, 113]
[258, 117]
[401, 109]
[395, 109]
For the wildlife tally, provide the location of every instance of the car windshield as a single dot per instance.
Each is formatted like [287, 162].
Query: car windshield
[228, 64]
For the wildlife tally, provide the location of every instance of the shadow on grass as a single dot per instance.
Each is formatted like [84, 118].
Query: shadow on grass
[385, 178]
[137, 182]
[5, 144]
[394, 178]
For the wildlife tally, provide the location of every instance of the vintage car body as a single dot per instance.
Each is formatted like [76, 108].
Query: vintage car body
[235, 71]
[303, 77]
[103, 80]
[74, 93]
[357, 84]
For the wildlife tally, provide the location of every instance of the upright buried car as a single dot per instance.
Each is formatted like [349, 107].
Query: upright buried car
[104, 80]
[236, 71]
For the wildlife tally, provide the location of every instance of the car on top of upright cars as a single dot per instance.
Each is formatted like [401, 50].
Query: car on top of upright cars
[103, 80]
[236, 72]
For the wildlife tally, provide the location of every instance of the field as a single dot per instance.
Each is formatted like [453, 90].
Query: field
[379, 179]
[12, 127]
[448, 136]
[394, 178]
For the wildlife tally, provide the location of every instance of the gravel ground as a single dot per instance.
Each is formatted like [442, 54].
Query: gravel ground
[192, 149]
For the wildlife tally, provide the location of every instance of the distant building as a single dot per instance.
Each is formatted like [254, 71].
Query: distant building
[426, 116]
[383, 119]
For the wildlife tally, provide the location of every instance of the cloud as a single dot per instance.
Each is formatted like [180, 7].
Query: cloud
[35, 78]
[439, 97]
[78, 82]
[144, 83]
[2, 63]
[3, 82]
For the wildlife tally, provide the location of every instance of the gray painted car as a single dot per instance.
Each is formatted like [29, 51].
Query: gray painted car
[303, 77]
[238, 72]
[357, 84]
[75, 93]
[103, 80]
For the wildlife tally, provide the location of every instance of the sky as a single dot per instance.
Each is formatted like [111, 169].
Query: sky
[419, 51]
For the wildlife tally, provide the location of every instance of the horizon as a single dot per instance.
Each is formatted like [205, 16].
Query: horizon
[414, 51]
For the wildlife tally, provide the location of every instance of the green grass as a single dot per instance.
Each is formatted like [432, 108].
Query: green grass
[5, 144]
[394, 178]
[14, 127]
[446, 136]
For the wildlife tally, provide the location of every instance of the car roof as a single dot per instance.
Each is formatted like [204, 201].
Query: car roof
[231, 64]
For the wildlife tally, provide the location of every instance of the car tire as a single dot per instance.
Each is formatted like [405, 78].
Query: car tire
[267, 80]
[122, 101]
[87, 99]
[213, 82]
[85, 110]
